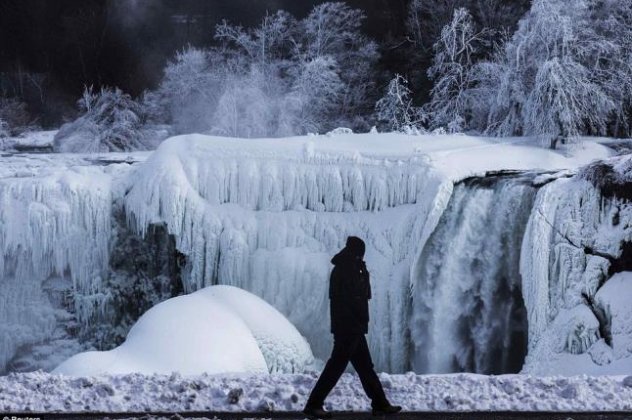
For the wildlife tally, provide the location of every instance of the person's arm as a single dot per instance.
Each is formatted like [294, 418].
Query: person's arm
[356, 294]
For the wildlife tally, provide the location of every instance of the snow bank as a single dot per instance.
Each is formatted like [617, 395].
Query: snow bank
[267, 215]
[214, 330]
[41, 392]
[37, 141]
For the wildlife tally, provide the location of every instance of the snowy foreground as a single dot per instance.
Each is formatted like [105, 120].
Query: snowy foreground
[40, 392]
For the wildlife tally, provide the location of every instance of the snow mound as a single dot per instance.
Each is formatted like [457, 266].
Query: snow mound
[284, 348]
[203, 332]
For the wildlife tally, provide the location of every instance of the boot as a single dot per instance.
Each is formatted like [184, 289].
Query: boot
[386, 410]
[316, 413]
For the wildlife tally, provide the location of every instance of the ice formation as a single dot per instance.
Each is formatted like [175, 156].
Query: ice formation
[267, 215]
[214, 330]
[54, 222]
[574, 243]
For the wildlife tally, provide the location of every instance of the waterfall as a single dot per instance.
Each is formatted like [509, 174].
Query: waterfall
[467, 312]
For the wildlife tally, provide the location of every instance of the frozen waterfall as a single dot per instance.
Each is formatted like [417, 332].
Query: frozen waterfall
[467, 312]
[54, 228]
[446, 255]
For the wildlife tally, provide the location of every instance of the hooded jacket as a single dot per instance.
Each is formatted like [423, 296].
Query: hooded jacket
[349, 291]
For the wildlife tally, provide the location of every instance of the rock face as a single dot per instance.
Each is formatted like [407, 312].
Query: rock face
[578, 237]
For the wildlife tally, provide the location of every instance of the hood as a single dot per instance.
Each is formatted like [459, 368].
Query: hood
[341, 257]
[353, 250]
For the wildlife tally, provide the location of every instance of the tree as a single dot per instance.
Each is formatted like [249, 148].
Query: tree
[555, 76]
[190, 89]
[14, 117]
[427, 18]
[332, 31]
[315, 94]
[451, 70]
[251, 107]
[395, 110]
[565, 102]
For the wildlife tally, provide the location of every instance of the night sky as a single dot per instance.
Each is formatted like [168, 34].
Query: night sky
[126, 43]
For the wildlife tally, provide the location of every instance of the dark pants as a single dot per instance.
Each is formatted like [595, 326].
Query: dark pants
[347, 349]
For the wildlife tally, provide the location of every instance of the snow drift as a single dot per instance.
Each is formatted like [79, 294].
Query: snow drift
[214, 330]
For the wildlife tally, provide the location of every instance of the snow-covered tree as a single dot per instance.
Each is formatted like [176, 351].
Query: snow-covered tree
[395, 110]
[555, 76]
[565, 102]
[112, 122]
[315, 94]
[251, 107]
[263, 45]
[451, 71]
[190, 90]
[612, 20]
[279, 78]
[332, 31]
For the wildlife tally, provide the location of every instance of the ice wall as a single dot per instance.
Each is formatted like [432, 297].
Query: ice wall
[270, 223]
[53, 223]
[467, 312]
[576, 239]
[55, 229]
[267, 215]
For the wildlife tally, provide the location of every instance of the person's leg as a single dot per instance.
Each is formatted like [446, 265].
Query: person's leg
[335, 367]
[362, 363]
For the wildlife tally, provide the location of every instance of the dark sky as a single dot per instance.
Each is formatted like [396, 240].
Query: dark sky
[125, 43]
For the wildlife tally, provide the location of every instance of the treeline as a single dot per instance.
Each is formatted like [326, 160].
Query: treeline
[553, 68]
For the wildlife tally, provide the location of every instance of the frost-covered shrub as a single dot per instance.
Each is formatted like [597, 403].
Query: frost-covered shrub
[112, 122]
[283, 77]
[14, 117]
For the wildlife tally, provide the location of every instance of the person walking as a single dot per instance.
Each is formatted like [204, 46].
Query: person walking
[349, 294]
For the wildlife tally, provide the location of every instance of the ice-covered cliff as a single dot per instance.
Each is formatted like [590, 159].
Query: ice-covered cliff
[578, 237]
[266, 215]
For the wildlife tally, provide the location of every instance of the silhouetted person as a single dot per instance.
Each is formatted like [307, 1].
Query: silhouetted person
[349, 292]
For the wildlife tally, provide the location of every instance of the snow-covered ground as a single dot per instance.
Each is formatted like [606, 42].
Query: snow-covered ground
[37, 141]
[42, 392]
